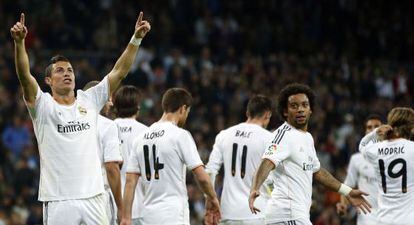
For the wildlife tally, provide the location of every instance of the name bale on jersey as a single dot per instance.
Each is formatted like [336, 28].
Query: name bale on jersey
[154, 134]
[73, 126]
[390, 151]
[243, 134]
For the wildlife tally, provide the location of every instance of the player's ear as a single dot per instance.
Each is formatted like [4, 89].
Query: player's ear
[48, 81]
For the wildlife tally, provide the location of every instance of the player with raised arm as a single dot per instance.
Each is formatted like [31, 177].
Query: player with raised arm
[291, 159]
[361, 174]
[393, 159]
[240, 149]
[71, 183]
[111, 159]
[127, 100]
[159, 157]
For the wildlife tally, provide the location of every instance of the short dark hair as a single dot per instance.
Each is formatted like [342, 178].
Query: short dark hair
[126, 101]
[293, 89]
[90, 84]
[373, 117]
[174, 98]
[258, 105]
[53, 60]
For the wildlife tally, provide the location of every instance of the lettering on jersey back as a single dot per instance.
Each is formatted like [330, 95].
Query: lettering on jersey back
[125, 129]
[72, 127]
[243, 134]
[390, 151]
[154, 134]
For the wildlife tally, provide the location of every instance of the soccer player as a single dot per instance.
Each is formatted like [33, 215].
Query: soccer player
[71, 183]
[159, 157]
[240, 149]
[361, 174]
[291, 159]
[393, 163]
[111, 159]
[127, 104]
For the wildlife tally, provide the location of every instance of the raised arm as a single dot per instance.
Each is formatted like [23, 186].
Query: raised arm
[261, 174]
[124, 62]
[21, 60]
[354, 196]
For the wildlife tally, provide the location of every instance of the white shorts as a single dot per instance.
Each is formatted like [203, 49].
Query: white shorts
[90, 211]
[111, 209]
[243, 222]
[293, 222]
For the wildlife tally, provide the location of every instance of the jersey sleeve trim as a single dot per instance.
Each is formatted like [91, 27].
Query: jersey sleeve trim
[280, 134]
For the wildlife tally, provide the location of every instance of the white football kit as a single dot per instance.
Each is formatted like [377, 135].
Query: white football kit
[240, 148]
[392, 160]
[129, 129]
[293, 153]
[160, 155]
[361, 174]
[68, 147]
[109, 146]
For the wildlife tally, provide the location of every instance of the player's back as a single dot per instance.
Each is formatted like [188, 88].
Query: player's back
[129, 129]
[162, 153]
[393, 161]
[240, 149]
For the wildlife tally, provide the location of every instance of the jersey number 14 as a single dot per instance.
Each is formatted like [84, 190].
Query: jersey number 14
[157, 165]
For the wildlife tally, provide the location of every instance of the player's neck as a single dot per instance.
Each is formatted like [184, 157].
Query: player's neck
[67, 99]
[303, 128]
[256, 121]
[170, 117]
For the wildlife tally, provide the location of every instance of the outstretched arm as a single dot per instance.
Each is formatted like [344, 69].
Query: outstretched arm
[354, 196]
[261, 174]
[123, 64]
[21, 59]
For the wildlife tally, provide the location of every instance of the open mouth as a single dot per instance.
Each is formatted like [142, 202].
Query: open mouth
[67, 80]
[300, 117]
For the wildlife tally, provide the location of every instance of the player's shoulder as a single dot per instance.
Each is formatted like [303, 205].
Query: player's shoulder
[283, 133]
[357, 157]
[106, 122]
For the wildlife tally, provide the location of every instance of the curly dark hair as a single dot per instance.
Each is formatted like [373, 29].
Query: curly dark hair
[293, 89]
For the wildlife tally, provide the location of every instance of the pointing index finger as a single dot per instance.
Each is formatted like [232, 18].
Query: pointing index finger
[22, 19]
[141, 14]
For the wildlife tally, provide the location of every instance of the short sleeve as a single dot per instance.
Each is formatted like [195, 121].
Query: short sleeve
[216, 157]
[277, 153]
[133, 165]
[188, 150]
[36, 111]
[352, 173]
[111, 144]
[99, 94]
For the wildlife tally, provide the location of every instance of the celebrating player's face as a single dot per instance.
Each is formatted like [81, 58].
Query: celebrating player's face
[62, 78]
[298, 110]
[371, 125]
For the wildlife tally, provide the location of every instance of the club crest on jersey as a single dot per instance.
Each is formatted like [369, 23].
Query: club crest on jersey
[82, 110]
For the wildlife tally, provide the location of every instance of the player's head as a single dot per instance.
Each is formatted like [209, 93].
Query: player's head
[105, 110]
[401, 119]
[371, 122]
[177, 101]
[127, 101]
[59, 75]
[260, 108]
[295, 104]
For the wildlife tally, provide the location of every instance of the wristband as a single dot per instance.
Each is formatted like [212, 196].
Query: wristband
[135, 41]
[344, 190]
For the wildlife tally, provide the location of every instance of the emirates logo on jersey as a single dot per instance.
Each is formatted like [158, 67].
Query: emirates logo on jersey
[73, 126]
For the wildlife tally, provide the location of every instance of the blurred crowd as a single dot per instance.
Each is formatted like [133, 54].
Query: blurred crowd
[354, 54]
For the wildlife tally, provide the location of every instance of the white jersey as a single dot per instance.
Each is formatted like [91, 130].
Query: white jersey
[293, 153]
[240, 149]
[161, 156]
[129, 130]
[361, 174]
[393, 163]
[68, 144]
[109, 145]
